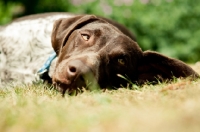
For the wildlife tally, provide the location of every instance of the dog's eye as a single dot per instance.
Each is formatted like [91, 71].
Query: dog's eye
[121, 61]
[86, 37]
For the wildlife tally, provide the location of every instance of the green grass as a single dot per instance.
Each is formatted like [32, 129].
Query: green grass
[173, 107]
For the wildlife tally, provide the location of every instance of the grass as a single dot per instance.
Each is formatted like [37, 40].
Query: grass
[173, 107]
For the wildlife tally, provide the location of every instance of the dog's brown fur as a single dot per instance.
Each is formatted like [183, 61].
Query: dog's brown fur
[88, 45]
[91, 51]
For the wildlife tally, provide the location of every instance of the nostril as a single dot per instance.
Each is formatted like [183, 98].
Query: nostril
[72, 69]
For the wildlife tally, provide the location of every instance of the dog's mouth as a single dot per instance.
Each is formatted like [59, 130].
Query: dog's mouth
[84, 80]
[71, 87]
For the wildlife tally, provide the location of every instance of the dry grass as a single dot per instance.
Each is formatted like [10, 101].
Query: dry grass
[171, 107]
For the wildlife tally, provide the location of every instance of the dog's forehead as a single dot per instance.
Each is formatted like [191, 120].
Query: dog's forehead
[103, 26]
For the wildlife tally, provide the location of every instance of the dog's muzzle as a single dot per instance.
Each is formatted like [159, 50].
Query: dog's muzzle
[77, 73]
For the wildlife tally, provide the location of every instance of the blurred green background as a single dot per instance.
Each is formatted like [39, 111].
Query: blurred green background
[171, 27]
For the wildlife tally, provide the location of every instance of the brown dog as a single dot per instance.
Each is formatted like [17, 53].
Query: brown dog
[90, 49]
[91, 52]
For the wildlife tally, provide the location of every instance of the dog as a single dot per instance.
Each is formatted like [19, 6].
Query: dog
[85, 51]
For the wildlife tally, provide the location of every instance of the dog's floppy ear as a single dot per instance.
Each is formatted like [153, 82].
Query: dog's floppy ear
[65, 26]
[154, 66]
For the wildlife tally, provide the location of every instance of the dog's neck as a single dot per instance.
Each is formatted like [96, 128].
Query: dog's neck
[52, 67]
[46, 71]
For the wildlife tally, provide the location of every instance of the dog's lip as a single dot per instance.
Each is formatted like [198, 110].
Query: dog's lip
[62, 87]
[64, 81]
[67, 85]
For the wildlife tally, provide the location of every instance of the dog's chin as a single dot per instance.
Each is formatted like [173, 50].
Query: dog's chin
[71, 88]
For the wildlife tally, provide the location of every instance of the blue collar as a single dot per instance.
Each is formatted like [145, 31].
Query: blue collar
[46, 66]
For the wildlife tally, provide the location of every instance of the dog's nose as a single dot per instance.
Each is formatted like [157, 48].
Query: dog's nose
[73, 69]
[76, 69]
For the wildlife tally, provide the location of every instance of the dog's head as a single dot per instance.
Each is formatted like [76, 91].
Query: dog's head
[90, 50]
